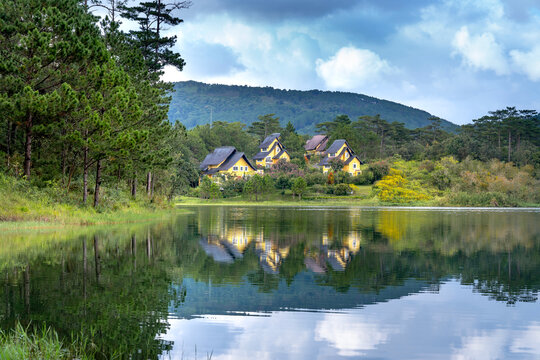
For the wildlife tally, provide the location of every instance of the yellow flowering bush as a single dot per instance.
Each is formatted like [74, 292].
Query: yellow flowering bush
[395, 188]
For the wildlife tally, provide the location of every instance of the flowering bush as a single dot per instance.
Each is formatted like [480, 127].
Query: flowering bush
[395, 188]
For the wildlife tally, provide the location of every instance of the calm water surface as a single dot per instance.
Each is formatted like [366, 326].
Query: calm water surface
[281, 283]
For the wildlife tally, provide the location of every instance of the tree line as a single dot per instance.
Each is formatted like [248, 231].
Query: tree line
[83, 99]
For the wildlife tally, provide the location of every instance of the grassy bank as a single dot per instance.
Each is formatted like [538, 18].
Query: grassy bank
[22, 344]
[24, 205]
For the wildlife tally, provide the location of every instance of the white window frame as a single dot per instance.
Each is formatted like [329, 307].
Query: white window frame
[354, 165]
[235, 168]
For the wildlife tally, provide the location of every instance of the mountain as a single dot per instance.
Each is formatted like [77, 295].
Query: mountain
[194, 103]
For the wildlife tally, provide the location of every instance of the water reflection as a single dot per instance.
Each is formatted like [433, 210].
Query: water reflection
[340, 282]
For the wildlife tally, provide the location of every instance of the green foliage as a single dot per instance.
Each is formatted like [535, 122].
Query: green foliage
[299, 187]
[44, 344]
[209, 189]
[258, 185]
[342, 190]
[267, 124]
[395, 188]
[304, 109]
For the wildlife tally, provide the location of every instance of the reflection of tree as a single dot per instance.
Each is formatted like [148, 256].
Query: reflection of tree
[123, 309]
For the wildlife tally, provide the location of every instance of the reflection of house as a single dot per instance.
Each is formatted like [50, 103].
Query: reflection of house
[316, 145]
[271, 256]
[341, 150]
[236, 240]
[213, 248]
[226, 160]
[271, 151]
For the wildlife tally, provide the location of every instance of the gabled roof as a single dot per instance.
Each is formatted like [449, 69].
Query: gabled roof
[281, 153]
[268, 140]
[312, 143]
[262, 154]
[336, 145]
[351, 159]
[227, 156]
[233, 159]
[216, 157]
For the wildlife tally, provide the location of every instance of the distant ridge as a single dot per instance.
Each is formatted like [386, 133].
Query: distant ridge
[195, 103]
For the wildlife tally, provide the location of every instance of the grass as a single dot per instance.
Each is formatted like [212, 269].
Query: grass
[24, 206]
[22, 344]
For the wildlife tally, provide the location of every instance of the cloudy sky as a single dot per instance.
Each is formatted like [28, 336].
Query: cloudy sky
[457, 59]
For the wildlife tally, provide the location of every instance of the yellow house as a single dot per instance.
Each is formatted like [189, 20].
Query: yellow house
[341, 150]
[226, 160]
[271, 151]
[315, 146]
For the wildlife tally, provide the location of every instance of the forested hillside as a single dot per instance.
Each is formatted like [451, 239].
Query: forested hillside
[196, 103]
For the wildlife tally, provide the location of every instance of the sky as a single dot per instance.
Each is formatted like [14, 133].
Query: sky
[457, 59]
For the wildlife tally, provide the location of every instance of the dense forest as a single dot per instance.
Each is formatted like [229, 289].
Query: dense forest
[86, 121]
[196, 103]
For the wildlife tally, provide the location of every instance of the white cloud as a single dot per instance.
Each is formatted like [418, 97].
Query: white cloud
[350, 336]
[481, 52]
[528, 63]
[528, 342]
[486, 346]
[350, 68]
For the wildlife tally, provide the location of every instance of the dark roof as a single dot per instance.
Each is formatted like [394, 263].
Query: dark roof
[336, 145]
[268, 140]
[280, 153]
[351, 159]
[262, 154]
[231, 159]
[324, 161]
[312, 143]
[217, 156]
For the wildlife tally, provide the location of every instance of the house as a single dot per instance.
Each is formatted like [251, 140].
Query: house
[341, 150]
[316, 145]
[271, 151]
[226, 160]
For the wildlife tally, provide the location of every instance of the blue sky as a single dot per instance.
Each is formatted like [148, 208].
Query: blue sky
[457, 59]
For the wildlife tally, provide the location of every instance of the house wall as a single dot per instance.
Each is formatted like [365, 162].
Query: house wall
[240, 163]
[351, 169]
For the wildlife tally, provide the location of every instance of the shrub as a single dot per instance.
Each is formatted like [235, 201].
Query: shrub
[318, 189]
[299, 187]
[394, 188]
[315, 178]
[282, 182]
[364, 178]
[342, 189]
[209, 189]
[379, 170]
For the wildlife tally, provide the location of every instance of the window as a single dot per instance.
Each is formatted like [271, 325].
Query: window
[346, 155]
[354, 166]
[269, 159]
[235, 168]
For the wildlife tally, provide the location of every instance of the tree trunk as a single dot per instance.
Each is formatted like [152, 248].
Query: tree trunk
[85, 175]
[509, 145]
[134, 187]
[152, 187]
[98, 183]
[85, 266]
[27, 288]
[97, 258]
[28, 146]
[148, 183]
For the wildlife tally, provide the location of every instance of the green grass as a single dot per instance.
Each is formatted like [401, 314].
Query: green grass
[26, 206]
[21, 343]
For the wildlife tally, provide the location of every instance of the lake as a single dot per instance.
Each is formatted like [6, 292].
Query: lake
[287, 283]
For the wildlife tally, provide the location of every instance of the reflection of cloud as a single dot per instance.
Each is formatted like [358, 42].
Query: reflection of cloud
[485, 346]
[349, 335]
[528, 342]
